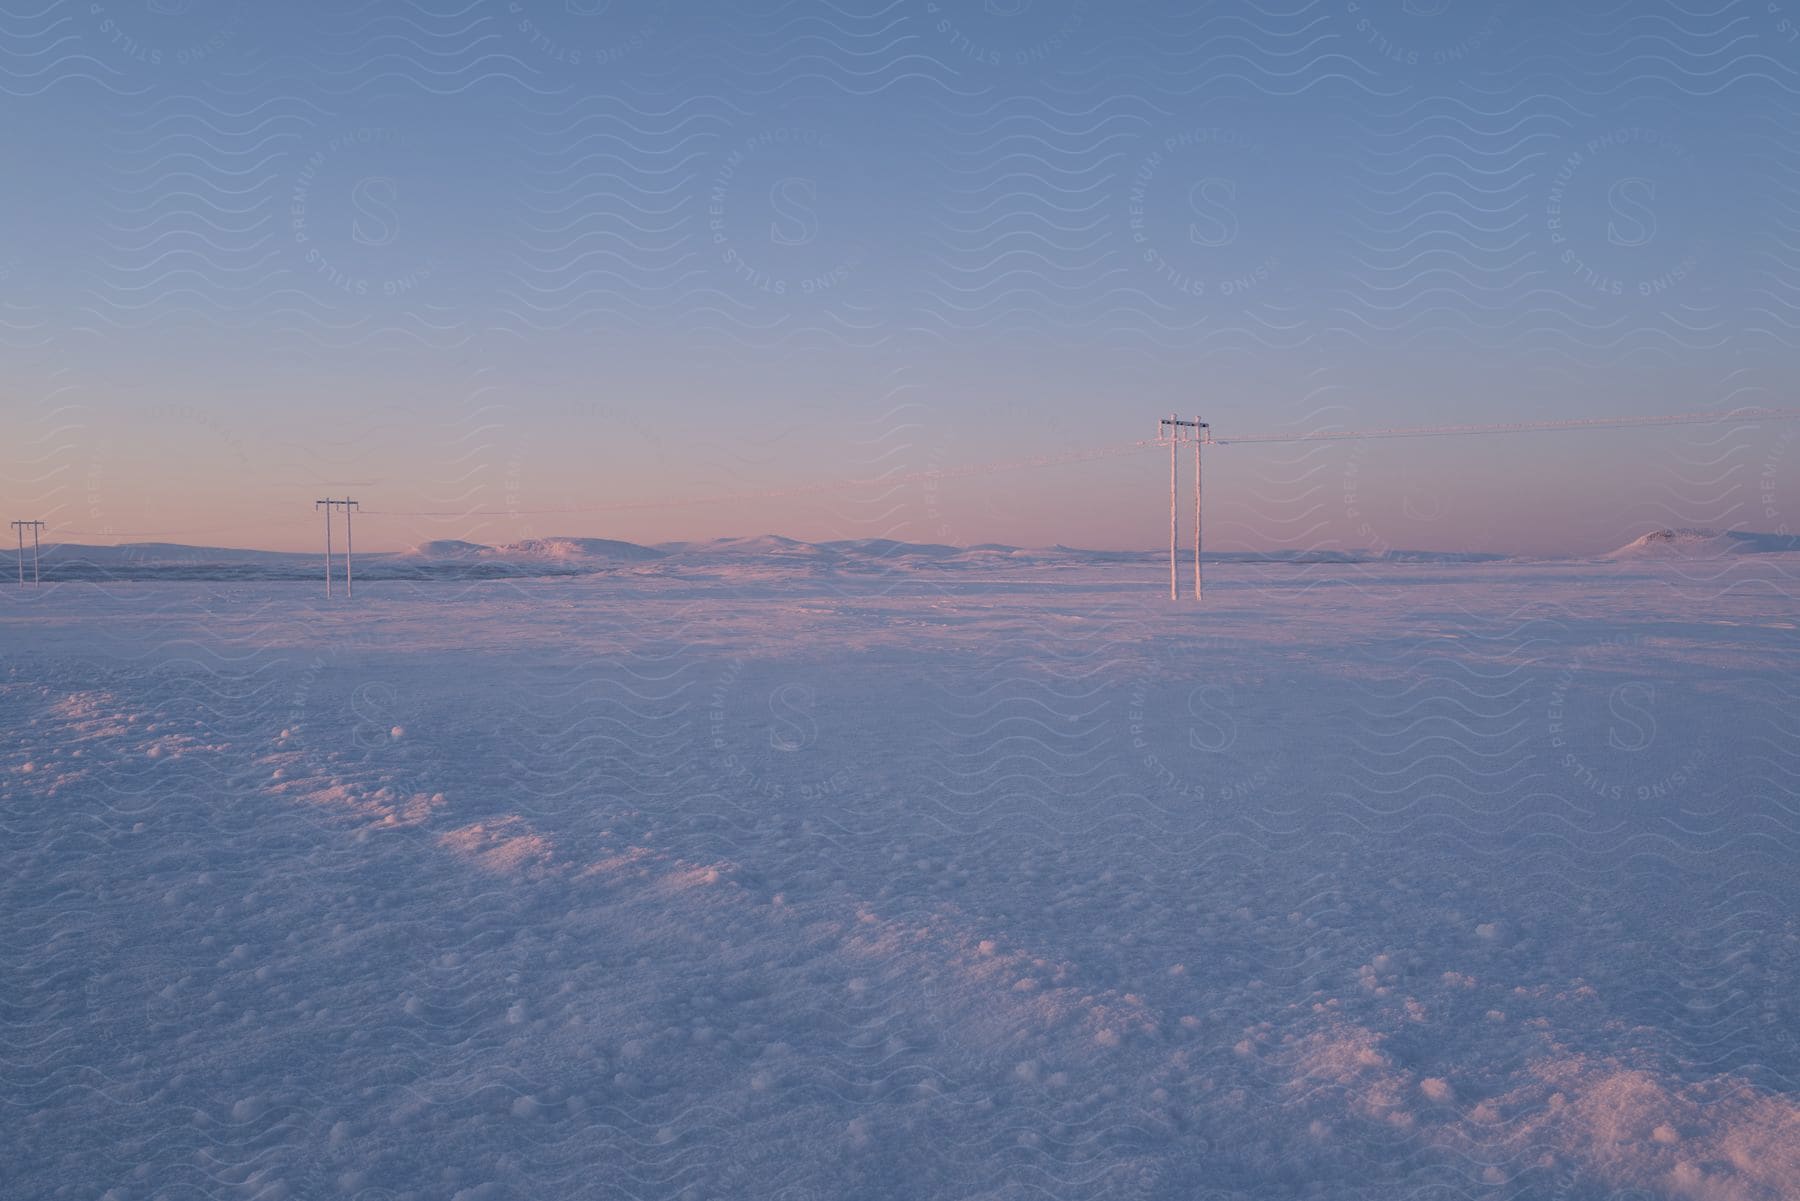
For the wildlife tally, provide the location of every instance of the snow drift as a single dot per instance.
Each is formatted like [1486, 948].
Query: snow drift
[1690, 543]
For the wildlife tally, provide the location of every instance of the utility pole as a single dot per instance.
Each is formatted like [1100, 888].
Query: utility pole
[1173, 534]
[349, 548]
[1205, 436]
[328, 504]
[1175, 431]
[35, 527]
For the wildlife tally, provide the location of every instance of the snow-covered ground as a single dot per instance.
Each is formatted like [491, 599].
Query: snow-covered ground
[1362, 881]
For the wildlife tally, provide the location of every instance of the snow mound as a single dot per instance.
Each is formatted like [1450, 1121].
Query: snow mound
[448, 548]
[772, 545]
[887, 548]
[575, 548]
[1691, 543]
[528, 549]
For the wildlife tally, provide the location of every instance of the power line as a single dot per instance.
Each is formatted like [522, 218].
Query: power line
[1094, 454]
[1063, 458]
[821, 486]
[1523, 427]
[217, 529]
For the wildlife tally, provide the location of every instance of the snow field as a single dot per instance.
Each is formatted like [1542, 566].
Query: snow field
[1361, 882]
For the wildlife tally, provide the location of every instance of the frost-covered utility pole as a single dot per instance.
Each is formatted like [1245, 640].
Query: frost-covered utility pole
[326, 504]
[1175, 431]
[347, 505]
[1173, 529]
[1197, 442]
[35, 527]
[349, 550]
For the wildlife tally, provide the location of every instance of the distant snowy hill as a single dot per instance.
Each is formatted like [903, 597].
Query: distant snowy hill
[446, 559]
[572, 552]
[170, 561]
[767, 555]
[1703, 544]
[765, 546]
[575, 550]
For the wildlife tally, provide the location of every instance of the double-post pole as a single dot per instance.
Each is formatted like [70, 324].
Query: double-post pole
[349, 506]
[35, 527]
[1174, 430]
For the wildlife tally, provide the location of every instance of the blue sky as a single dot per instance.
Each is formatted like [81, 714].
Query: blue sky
[510, 268]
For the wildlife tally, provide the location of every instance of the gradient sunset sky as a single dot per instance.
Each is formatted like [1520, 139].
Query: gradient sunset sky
[503, 268]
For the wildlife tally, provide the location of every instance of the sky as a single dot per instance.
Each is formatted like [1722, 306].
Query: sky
[512, 268]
